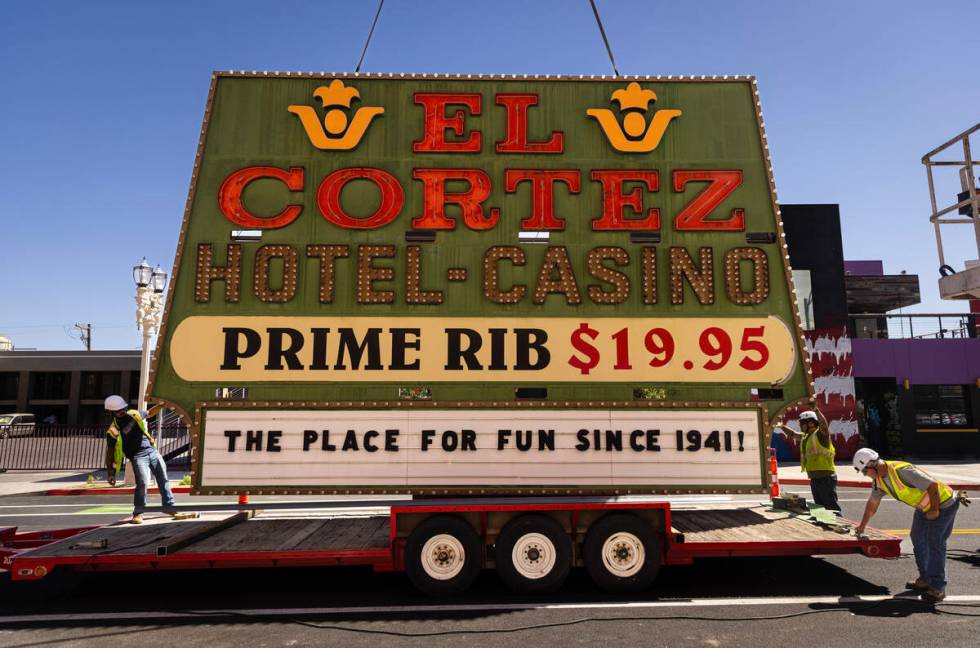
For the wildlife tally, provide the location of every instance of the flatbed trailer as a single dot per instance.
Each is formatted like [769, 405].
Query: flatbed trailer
[443, 544]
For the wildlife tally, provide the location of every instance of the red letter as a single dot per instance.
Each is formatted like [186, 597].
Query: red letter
[694, 215]
[542, 195]
[230, 196]
[434, 199]
[516, 141]
[614, 201]
[328, 198]
[435, 123]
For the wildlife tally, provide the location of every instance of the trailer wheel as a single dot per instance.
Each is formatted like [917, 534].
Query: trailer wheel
[533, 554]
[442, 556]
[622, 553]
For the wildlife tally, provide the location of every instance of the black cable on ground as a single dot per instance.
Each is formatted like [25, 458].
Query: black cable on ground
[557, 624]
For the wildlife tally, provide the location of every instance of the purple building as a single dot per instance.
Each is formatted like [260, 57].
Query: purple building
[902, 383]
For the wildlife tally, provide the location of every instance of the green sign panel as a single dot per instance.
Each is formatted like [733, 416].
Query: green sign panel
[388, 241]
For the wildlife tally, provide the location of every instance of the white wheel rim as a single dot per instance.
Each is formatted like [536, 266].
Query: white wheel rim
[533, 556]
[443, 557]
[623, 554]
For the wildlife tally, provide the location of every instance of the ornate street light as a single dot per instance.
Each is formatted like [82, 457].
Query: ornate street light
[158, 280]
[142, 274]
[150, 284]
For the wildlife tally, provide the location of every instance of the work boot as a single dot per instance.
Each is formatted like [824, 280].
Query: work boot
[918, 585]
[136, 519]
[933, 595]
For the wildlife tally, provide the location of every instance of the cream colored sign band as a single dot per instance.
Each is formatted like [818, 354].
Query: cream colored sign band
[481, 448]
[471, 349]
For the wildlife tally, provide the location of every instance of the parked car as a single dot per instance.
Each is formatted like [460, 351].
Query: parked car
[16, 425]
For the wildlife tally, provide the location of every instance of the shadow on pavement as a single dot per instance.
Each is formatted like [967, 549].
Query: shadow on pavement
[888, 608]
[228, 591]
[963, 556]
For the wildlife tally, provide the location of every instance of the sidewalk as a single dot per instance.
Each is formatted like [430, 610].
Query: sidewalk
[957, 474]
[74, 482]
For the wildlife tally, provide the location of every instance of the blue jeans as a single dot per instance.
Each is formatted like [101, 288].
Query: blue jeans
[824, 491]
[144, 462]
[929, 543]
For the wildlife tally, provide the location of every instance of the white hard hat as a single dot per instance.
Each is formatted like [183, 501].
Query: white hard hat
[809, 415]
[116, 403]
[863, 457]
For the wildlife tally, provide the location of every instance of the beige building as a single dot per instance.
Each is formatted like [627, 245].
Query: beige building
[67, 387]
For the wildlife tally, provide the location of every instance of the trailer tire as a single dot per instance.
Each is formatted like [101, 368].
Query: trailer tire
[533, 554]
[443, 556]
[622, 553]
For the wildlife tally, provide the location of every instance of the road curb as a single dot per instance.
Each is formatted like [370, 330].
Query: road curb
[122, 490]
[855, 483]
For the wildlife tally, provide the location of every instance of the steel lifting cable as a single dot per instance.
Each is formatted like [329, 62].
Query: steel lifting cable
[370, 34]
[595, 12]
[598, 21]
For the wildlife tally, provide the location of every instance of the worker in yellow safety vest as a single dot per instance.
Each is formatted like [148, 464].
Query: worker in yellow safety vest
[817, 458]
[935, 506]
[127, 435]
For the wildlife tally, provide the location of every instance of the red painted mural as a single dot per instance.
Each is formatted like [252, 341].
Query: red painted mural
[832, 365]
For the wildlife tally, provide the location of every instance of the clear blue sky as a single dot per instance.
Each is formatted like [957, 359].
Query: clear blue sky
[101, 106]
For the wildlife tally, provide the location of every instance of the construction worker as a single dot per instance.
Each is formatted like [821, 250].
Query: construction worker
[817, 458]
[127, 434]
[932, 523]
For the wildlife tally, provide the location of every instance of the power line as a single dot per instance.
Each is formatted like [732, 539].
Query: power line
[370, 33]
[62, 326]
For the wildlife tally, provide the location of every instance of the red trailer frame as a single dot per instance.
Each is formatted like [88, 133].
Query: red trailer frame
[23, 554]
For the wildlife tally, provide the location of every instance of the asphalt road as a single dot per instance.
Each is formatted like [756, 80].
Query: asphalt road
[715, 602]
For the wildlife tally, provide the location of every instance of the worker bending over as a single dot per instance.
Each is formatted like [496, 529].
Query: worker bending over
[127, 435]
[817, 458]
[932, 523]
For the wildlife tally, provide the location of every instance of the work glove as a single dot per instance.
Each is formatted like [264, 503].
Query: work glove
[962, 498]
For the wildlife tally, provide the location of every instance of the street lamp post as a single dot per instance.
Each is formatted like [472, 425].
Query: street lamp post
[150, 284]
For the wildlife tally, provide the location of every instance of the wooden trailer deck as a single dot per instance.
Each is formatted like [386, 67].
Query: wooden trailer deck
[299, 534]
[216, 540]
[761, 530]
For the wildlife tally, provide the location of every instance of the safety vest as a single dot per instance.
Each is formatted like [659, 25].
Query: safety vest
[815, 455]
[914, 497]
[115, 433]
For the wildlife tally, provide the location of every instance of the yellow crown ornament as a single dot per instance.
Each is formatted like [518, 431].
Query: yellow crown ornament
[338, 132]
[635, 135]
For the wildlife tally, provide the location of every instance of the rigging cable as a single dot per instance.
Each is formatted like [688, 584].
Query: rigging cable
[605, 40]
[370, 34]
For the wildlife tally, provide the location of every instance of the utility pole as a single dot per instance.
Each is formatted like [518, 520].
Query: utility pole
[85, 330]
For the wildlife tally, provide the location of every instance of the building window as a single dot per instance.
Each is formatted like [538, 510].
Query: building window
[92, 415]
[941, 406]
[50, 414]
[50, 385]
[99, 384]
[804, 298]
[870, 327]
[9, 381]
[134, 386]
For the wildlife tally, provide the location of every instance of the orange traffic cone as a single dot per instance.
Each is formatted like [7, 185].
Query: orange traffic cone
[243, 499]
[773, 470]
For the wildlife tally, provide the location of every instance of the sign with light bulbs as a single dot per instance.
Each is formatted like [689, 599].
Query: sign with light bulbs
[597, 243]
